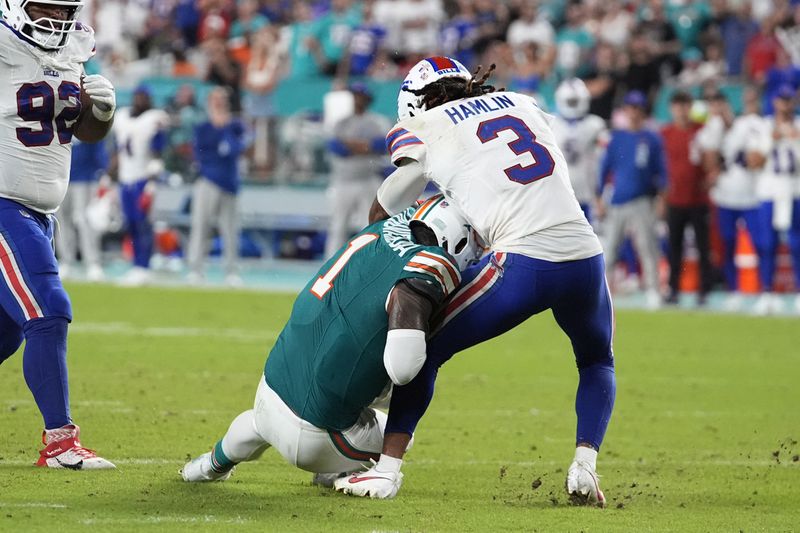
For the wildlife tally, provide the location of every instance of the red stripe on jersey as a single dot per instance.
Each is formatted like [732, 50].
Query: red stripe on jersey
[454, 275]
[430, 269]
[18, 287]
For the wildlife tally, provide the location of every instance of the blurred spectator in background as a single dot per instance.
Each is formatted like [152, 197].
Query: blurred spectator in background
[459, 34]
[616, 23]
[140, 137]
[782, 74]
[777, 152]
[184, 115]
[762, 51]
[737, 27]
[531, 27]
[531, 68]
[332, 32]
[89, 162]
[602, 80]
[186, 19]
[260, 78]
[304, 52]
[413, 26]
[224, 71]
[365, 41]
[724, 142]
[634, 164]
[697, 71]
[642, 73]
[661, 34]
[357, 160]
[248, 22]
[581, 137]
[687, 195]
[574, 43]
[218, 143]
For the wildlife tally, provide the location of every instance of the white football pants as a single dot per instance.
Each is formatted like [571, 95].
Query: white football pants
[75, 232]
[272, 423]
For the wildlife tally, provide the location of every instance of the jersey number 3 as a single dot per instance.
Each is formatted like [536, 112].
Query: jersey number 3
[36, 102]
[324, 283]
[525, 143]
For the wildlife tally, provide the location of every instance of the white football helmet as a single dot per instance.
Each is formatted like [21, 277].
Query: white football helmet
[46, 32]
[451, 229]
[572, 99]
[421, 75]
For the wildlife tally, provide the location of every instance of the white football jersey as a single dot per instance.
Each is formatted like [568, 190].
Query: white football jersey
[496, 158]
[134, 138]
[736, 186]
[37, 113]
[780, 176]
[581, 141]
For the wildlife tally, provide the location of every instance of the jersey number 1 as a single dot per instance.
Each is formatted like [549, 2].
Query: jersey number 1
[543, 164]
[324, 283]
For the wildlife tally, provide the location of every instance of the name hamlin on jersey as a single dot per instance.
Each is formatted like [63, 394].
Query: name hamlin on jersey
[477, 106]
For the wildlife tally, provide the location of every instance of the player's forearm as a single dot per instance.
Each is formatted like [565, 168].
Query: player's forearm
[400, 189]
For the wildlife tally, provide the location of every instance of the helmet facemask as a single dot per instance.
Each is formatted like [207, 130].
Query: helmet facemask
[40, 22]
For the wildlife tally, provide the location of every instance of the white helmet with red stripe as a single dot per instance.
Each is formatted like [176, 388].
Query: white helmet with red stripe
[452, 230]
[46, 23]
[427, 71]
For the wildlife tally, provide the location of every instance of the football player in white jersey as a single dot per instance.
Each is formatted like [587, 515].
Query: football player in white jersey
[42, 51]
[139, 133]
[724, 142]
[581, 137]
[494, 156]
[777, 153]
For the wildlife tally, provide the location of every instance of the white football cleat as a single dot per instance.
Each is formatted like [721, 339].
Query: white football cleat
[583, 485]
[767, 304]
[95, 274]
[136, 277]
[64, 450]
[372, 484]
[199, 469]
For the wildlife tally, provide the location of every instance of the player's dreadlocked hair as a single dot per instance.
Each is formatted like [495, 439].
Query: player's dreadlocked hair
[449, 89]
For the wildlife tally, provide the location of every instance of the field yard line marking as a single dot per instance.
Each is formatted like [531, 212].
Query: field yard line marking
[126, 328]
[34, 504]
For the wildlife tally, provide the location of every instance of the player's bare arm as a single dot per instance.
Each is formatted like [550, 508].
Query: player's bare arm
[98, 104]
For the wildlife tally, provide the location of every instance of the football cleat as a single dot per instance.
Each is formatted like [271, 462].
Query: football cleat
[372, 483]
[199, 469]
[583, 485]
[64, 450]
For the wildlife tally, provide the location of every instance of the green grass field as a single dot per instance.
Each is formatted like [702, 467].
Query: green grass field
[703, 438]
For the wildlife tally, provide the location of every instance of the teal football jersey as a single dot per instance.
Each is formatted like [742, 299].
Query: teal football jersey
[327, 364]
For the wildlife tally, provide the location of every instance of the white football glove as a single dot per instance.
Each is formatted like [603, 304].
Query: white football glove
[101, 92]
[373, 483]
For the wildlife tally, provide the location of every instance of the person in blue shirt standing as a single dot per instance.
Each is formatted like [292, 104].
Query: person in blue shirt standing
[218, 143]
[89, 162]
[634, 163]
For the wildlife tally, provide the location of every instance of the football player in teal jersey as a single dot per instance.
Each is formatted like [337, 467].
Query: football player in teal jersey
[359, 325]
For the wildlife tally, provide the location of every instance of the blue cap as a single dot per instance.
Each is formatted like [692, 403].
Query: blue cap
[636, 99]
[691, 54]
[143, 89]
[786, 91]
[361, 88]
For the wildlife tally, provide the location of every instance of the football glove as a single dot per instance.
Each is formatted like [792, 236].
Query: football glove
[373, 483]
[101, 93]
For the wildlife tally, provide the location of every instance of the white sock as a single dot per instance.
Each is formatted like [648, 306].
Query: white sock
[388, 464]
[586, 455]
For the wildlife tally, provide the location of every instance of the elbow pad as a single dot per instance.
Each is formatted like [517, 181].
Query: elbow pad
[404, 354]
